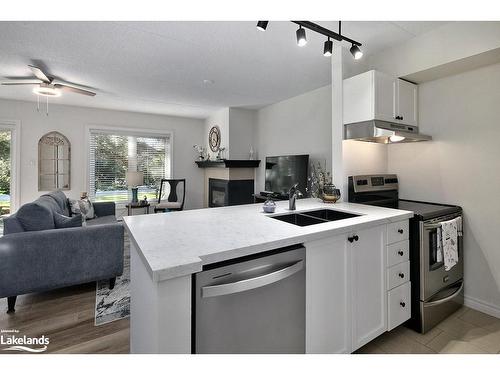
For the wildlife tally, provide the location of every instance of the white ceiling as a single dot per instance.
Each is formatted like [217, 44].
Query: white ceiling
[159, 67]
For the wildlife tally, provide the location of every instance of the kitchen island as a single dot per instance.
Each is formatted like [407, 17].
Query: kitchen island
[167, 249]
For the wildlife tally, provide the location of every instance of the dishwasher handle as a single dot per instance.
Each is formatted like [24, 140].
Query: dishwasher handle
[252, 283]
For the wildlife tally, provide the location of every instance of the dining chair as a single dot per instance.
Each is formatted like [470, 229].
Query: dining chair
[168, 199]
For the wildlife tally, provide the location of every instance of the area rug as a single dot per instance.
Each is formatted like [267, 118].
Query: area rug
[111, 305]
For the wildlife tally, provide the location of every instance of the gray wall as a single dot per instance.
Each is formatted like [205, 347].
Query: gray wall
[300, 125]
[72, 121]
[461, 166]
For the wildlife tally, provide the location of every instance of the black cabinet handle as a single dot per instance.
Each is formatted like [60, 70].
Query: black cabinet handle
[402, 275]
[356, 238]
[401, 117]
[350, 239]
[402, 304]
[400, 252]
[400, 231]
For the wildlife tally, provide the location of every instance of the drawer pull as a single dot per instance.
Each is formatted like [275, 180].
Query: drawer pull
[400, 252]
[400, 231]
[356, 238]
[402, 304]
[402, 275]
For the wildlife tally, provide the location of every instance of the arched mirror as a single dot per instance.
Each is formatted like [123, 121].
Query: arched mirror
[54, 162]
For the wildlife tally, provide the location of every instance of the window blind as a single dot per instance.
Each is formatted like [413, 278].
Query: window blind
[112, 155]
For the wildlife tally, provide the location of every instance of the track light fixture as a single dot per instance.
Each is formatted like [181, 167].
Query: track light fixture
[328, 49]
[356, 52]
[301, 37]
[262, 25]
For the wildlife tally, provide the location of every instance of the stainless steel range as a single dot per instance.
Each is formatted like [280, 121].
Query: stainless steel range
[436, 293]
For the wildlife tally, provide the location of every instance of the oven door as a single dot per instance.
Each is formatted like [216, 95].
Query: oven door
[433, 276]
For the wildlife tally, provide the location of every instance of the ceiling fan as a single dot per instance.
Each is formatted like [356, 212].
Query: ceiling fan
[48, 86]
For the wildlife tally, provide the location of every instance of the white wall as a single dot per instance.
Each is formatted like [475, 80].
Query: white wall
[71, 121]
[300, 125]
[241, 132]
[461, 166]
[364, 157]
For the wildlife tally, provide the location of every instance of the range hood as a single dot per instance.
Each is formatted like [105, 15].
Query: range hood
[383, 132]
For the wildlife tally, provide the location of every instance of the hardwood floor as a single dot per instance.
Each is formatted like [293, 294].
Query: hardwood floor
[66, 317]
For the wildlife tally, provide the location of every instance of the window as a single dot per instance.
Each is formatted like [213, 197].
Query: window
[113, 153]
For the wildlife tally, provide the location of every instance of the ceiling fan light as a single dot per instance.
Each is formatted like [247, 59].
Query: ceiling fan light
[356, 52]
[47, 91]
[262, 25]
[328, 50]
[301, 37]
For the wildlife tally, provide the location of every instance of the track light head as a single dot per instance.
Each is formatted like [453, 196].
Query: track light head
[328, 50]
[301, 37]
[356, 52]
[262, 25]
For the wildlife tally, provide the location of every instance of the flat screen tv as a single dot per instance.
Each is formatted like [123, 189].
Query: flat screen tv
[282, 172]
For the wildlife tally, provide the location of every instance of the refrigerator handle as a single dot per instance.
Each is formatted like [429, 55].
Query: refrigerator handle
[253, 283]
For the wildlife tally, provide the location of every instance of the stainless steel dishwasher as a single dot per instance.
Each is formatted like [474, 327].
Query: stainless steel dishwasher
[254, 304]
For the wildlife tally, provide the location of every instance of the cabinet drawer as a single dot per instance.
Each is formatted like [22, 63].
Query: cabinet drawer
[398, 274]
[399, 306]
[397, 253]
[397, 231]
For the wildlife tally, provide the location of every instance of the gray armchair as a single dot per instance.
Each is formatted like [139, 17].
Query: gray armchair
[39, 260]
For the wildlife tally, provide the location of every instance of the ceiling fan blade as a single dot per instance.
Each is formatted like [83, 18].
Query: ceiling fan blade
[40, 74]
[71, 88]
[21, 81]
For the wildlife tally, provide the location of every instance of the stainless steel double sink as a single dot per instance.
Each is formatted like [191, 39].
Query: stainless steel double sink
[306, 218]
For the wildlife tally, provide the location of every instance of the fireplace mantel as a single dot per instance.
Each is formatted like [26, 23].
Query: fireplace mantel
[228, 163]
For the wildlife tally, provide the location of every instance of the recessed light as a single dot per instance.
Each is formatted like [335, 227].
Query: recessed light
[208, 81]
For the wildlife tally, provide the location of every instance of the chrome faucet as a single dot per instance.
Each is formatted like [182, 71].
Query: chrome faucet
[293, 193]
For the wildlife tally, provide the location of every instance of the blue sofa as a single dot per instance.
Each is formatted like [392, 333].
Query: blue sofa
[36, 257]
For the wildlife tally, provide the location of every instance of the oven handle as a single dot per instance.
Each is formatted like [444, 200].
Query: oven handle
[445, 299]
[432, 226]
[252, 283]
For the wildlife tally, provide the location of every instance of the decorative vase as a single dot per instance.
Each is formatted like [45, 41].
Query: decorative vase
[269, 206]
[330, 193]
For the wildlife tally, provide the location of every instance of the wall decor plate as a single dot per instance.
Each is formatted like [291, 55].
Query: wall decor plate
[214, 138]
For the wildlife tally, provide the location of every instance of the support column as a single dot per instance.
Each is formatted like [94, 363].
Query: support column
[337, 120]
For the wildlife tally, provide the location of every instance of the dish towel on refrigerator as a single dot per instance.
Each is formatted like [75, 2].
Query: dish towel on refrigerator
[448, 238]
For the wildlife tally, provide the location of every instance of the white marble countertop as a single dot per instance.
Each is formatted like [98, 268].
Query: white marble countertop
[176, 244]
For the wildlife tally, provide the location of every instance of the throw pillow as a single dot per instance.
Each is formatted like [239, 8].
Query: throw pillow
[74, 207]
[63, 221]
[83, 207]
[87, 208]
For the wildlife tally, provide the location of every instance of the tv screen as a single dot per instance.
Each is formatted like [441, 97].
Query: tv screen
[282, 172]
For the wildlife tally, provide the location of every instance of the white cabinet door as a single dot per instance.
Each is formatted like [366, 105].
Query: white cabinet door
[328, 316]
[368, 285]
[407, 96]
[385, 94]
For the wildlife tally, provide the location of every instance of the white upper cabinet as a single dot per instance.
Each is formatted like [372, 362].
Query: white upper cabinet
[406, 102]
[377, 96]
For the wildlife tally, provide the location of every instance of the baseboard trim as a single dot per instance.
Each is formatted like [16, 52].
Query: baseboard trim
[482, 306]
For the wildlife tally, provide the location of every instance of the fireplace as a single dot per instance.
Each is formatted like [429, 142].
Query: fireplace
[229, 192]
